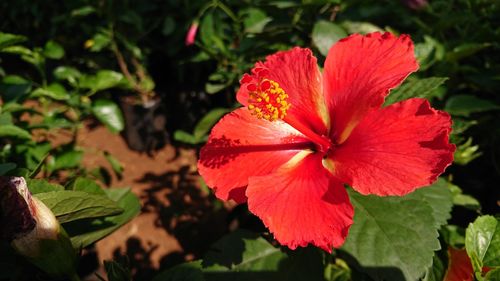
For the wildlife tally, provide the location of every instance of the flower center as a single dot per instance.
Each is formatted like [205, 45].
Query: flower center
[267, 100]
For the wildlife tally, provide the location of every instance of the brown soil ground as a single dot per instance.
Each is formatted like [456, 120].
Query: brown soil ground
[179, 219]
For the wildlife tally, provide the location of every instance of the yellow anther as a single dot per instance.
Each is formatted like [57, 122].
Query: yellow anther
[268, 100]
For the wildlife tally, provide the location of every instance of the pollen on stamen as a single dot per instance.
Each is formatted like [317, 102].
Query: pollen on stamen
[267, 100]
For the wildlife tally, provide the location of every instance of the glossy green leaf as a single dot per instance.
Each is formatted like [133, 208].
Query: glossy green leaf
[55, 91]
[109, 114]
[254, 20]
[70, 205]
[7, 39]
[40, 186]
[482, 242]
[85, 232]
[428, 52]
[325, 34]
[100, 41]
[204, 126]
[394, 232]
[86, 185]
[66, 159]
[417, 88]
[185, 137]
[67, 73]
[464, 105]
[53, 50]
[360, 27]
[14, 132]
[102, 80]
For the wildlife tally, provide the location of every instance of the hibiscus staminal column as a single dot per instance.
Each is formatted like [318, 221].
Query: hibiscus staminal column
[267, 100]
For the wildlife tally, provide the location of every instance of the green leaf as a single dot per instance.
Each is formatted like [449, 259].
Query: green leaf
[453, 235]
[70, 205]
[53, 50]
[325, 34]
[460, 199]
[393, 232]
[67, 73]
[417, 88]
[66, 159]
[14, 87]
[109, 114]
[482, 242]
[14, 132]
[6, 167]
[40, 186]
[464, 105]
[360, 27]
[439, 198]
[212, 88]
[242, 255]
[83, 11]
[466, 152]
[86, 185]
[185, 137]
[190, 271]
[254, 20]
[429, 52]
[85, 232]
[466, 50]
[54, 90]
[102, 80]
[207, 122]
[245, 256]
[115, 163]
[100, 41]
[7, 39]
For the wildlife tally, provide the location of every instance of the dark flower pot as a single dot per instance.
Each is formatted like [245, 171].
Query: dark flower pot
[145, 124]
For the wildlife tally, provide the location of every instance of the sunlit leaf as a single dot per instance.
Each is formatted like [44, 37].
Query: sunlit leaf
[85, 232]
[70, 205]
[482, 242]
[417, 88]
[325, 34]
[396, 232]
[53, 50]
[109, 114]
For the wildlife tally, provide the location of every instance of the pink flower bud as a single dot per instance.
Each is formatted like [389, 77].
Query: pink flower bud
[191, 35]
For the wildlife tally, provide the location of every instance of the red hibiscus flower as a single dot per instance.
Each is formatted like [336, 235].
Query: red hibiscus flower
[303, 134]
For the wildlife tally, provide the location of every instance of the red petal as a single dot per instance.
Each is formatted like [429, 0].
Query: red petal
[301, 203]
[241, 146]
[297, 73]
[459, 266]
[359, 72]
[396, 149]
